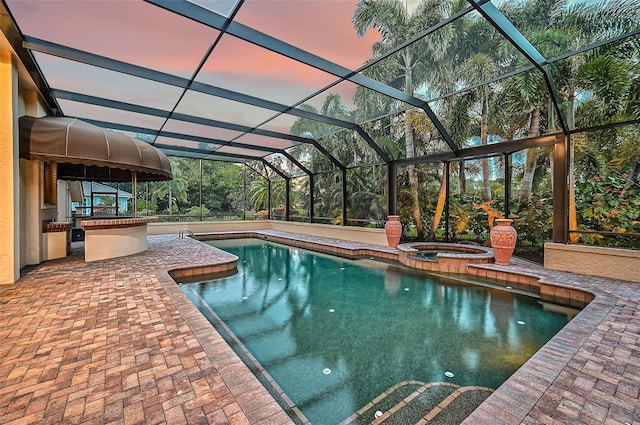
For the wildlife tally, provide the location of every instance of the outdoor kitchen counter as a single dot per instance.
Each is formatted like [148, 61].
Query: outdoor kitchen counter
[114, 237]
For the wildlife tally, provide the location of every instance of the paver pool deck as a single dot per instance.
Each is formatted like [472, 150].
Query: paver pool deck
[117, 342]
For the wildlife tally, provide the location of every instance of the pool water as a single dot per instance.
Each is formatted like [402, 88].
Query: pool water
[336, 333]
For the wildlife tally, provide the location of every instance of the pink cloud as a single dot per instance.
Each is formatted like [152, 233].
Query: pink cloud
[84, 110]
[206, 106]
[131, 31]
[322, 27]
[141, 33]
[193, 129]
[77, 77]
[244, 67]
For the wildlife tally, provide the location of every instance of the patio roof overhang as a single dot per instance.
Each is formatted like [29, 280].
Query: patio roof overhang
[86, 152]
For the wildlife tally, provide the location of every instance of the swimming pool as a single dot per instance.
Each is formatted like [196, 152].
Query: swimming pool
[336, 333]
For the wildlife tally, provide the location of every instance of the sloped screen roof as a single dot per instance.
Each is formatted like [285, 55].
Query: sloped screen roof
[244, 80]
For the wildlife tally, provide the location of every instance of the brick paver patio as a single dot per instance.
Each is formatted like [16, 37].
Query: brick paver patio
[117, 342]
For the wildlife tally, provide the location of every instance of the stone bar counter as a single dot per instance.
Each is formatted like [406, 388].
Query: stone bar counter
[112, 237]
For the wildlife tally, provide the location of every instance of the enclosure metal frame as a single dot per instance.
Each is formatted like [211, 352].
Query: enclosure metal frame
[24, 45]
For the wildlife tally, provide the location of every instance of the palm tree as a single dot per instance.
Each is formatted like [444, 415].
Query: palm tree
[411, 66]
[526, 93]
[366, 198]
[626, 156]
[590, 75]
[475, 58]
[259, 193]
[556, 27]
[325, 134]
[348, 149]
[481, 67]
[171, 191]
[327, 191]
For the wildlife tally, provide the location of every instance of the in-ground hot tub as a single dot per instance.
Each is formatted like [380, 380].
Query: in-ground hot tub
[443, 257]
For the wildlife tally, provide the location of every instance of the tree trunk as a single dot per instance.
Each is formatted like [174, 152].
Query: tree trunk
[413, 181]
[442, 196]
[462, 178]
[635, 174]
[484, 140]
[532, 158]
[410, 148]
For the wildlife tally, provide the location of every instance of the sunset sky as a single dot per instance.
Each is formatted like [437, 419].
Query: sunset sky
[143, 34]
[151, 37]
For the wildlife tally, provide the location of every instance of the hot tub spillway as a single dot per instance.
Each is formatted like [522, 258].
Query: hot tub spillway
[432, 254]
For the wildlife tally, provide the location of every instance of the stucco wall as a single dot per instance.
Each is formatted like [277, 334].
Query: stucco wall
[110, 243]
[615, 263]
[21, 207]
[204, 226]
[9, 179]
[356, 234]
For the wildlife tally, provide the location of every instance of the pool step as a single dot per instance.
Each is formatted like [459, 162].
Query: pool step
[459, 405]
[384, 402]
[435, 403]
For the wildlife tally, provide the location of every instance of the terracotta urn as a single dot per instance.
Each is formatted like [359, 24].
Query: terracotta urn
[503, 241]
[393, 229]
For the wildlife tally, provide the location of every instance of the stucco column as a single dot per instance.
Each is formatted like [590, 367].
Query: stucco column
[30, 194]
[9, 187]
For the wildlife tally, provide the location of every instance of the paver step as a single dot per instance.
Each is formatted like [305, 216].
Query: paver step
[383, 402]
[455, 409]
[414, 402]
[420, 403]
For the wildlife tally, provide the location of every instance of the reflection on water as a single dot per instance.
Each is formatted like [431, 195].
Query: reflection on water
[392, 280]
[300, 313]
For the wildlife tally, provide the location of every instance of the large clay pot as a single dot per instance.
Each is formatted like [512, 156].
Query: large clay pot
[503, 241]
[393, 229]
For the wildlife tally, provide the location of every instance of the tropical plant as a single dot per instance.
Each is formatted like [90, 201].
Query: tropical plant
[594, 84]
[481, 67]
[535, 220]
[259, 192]
[366, 196]
[328, 195]
[171, 193]
[196, 211]
[411, 66]
[586, 76]
[608, 204]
